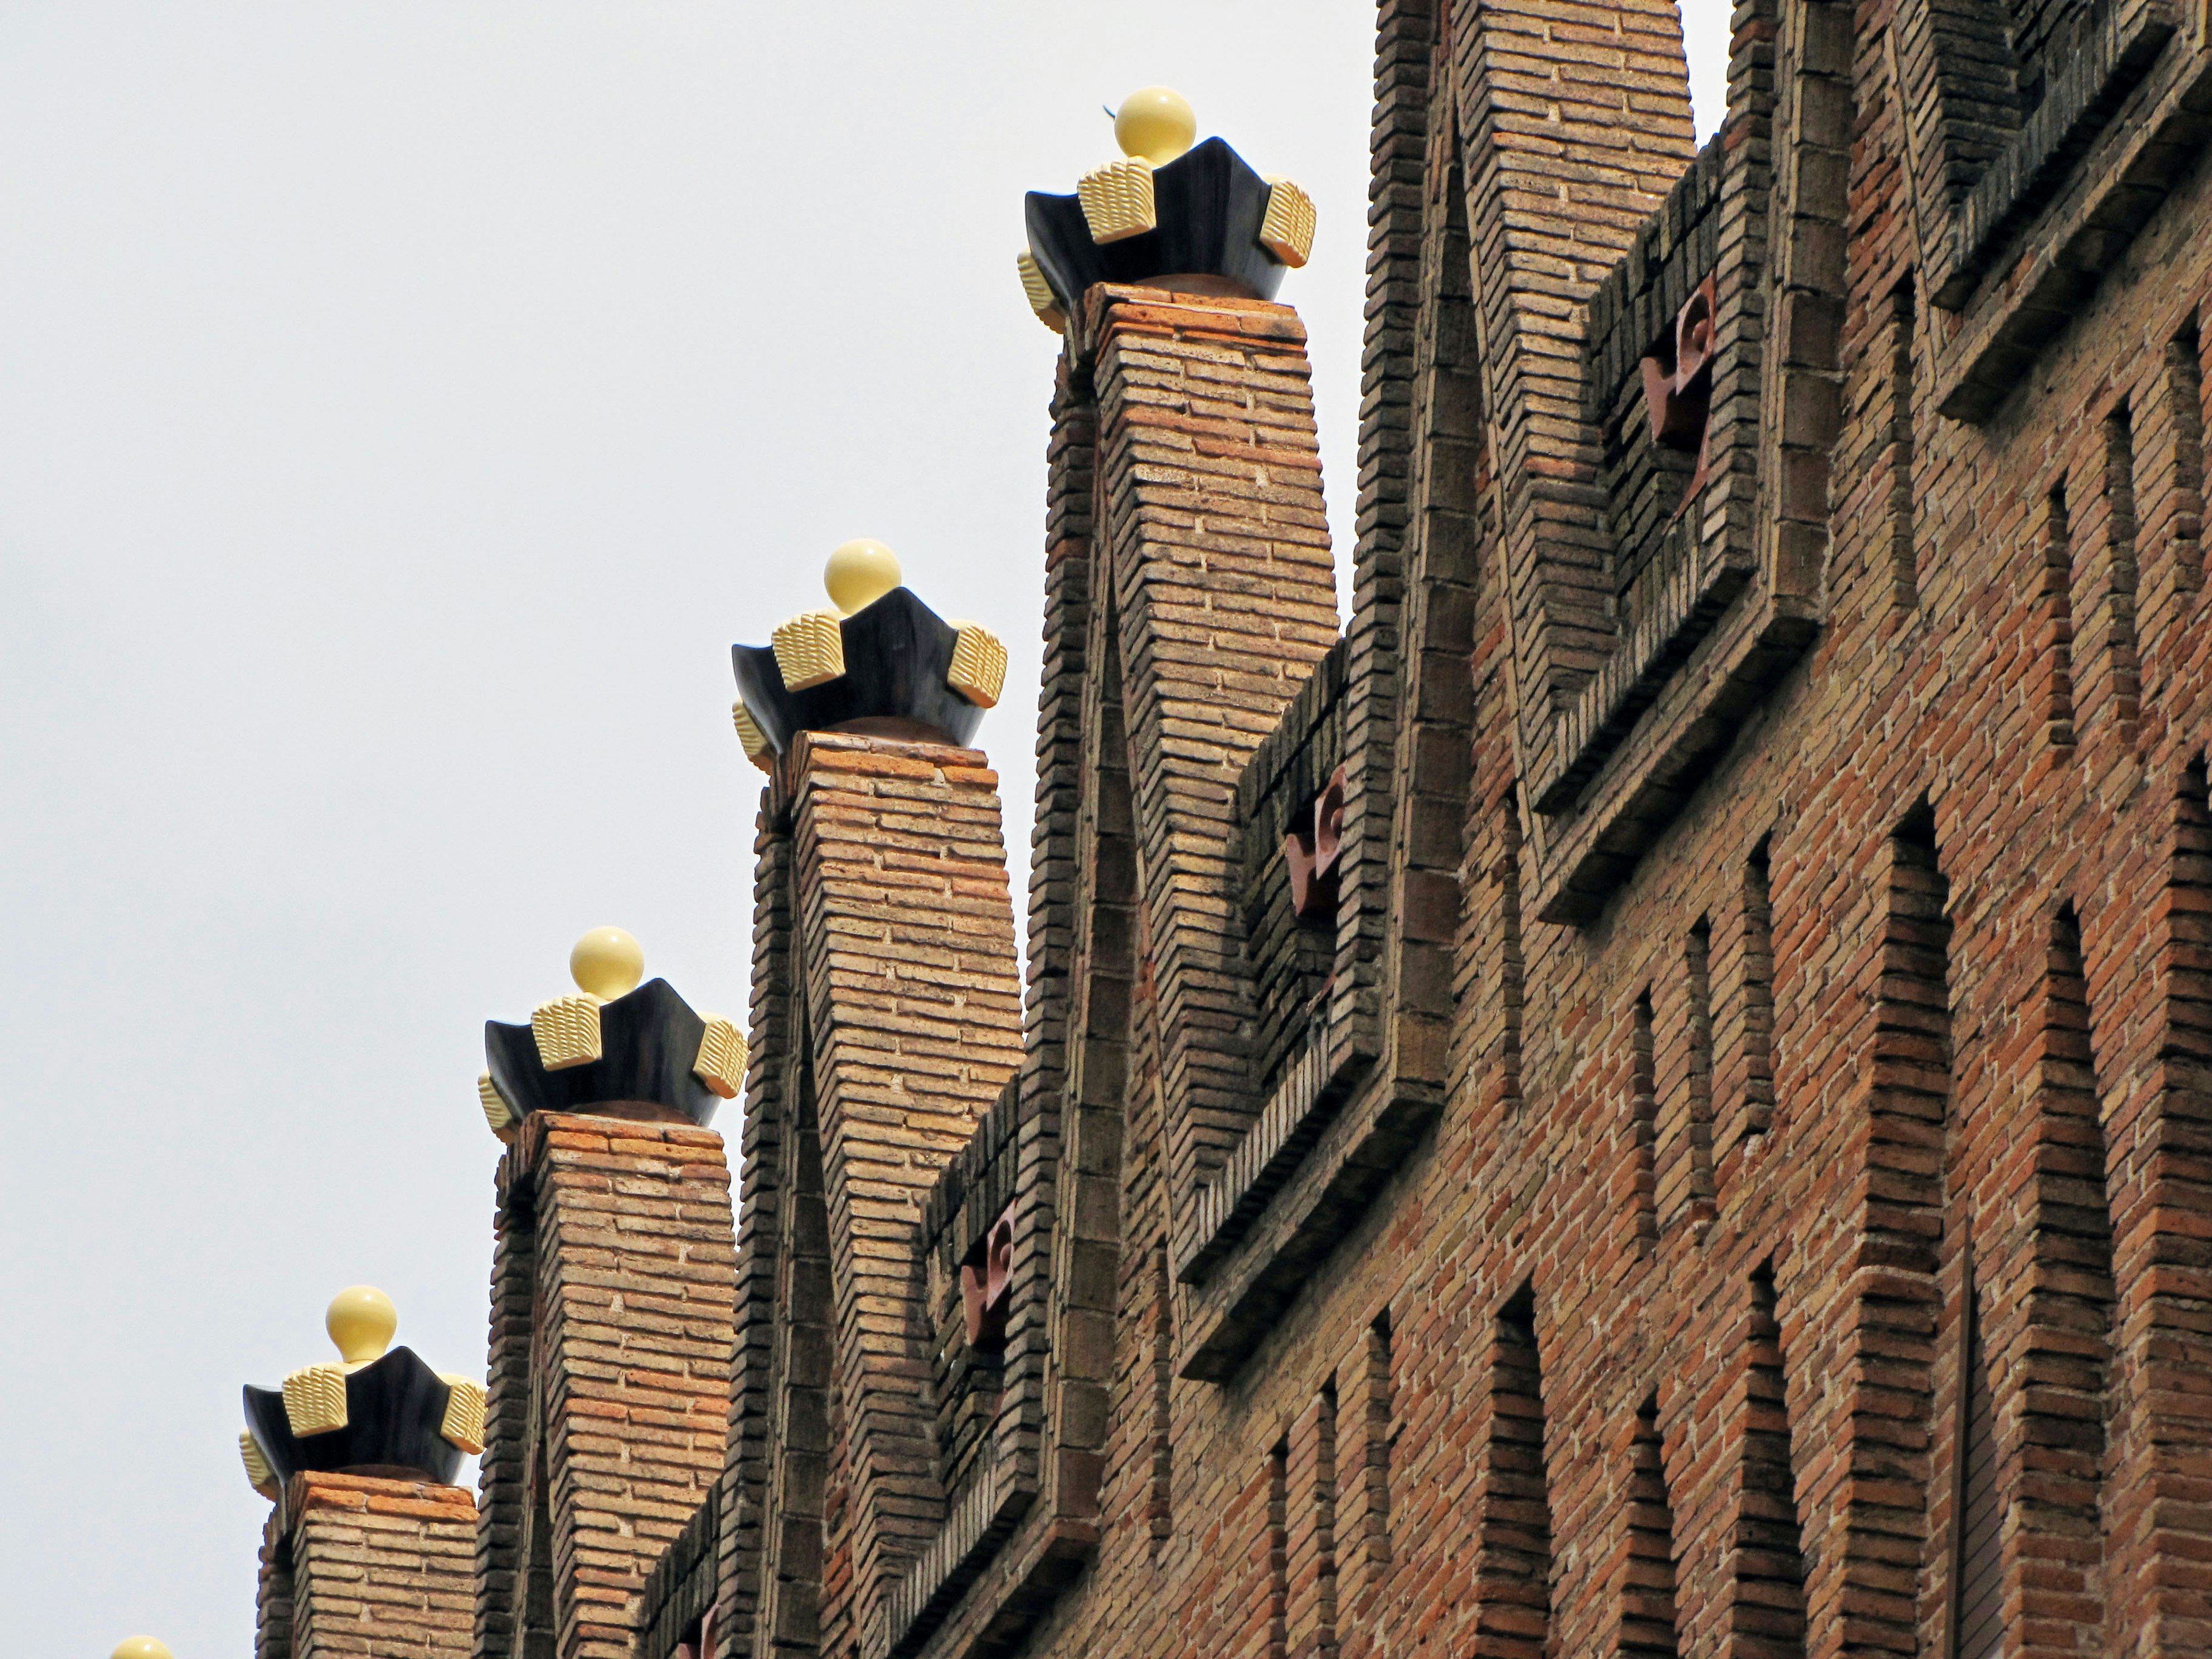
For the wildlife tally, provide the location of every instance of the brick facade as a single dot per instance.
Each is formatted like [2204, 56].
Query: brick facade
[360, 1567]
[1728, 1174]
[1722, 1179]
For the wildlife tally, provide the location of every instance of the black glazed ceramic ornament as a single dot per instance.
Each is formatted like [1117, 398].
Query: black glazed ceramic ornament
[1211, 205]
[395, 1411]
[649, 1046]
[897, 664]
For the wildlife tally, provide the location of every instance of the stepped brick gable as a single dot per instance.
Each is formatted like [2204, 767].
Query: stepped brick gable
[1646, 1089]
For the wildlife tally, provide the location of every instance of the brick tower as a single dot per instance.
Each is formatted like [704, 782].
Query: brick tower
[611, 1302]
[887, 1020]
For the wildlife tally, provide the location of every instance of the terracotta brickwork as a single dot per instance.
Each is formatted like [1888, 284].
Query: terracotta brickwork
[1652, 1336]
[1219, 579]
[359, 1566]
[609, 1395]
[1733, 1176]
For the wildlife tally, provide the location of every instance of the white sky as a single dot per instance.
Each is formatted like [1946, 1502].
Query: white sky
[402, 406]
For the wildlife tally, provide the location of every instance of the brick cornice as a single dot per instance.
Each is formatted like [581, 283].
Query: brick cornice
[363, 1565]
[363, 1493]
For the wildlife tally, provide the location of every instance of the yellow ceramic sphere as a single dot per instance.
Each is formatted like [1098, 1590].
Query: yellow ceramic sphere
[140, 1647]
[859, 573]
[1155, 123]
[606, 962]
[361, 1321]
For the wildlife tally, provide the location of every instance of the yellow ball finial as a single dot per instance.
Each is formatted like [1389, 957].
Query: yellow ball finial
[859, 573]
[606, 963]
[1155, 123]
[361, 1321]
[140, 1647]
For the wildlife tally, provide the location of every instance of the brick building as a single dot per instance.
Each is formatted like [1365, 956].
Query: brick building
[1650, 1094]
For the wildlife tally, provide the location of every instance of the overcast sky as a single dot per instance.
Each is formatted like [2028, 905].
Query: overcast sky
[402, 406]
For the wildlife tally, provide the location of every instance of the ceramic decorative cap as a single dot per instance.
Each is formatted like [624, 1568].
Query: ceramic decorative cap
[140, 1647]
[880, 661]
[616, 1048]
[1169, 212]
[379, 1410]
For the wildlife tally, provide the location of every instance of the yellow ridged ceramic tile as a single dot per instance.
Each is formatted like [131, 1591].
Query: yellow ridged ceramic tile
[498, 1115]
[567, 1032]
[464, 1422]
[315, 1399]
[258, 1474]
[722, 1054]
[758, 749]
[1038, 292]
[1287, 232]
[809, 650]
[979, 665]
[1117, 200]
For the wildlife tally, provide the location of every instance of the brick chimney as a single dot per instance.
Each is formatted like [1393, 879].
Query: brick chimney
[611, 1293]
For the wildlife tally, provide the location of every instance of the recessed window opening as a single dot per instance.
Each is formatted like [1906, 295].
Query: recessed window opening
[1705, 36]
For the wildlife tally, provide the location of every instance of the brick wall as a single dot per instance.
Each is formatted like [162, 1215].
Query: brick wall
[1660, 1337]
[1786, 1238]
[371, 1568]
[1223, 598]
[906, 947]
[887, 1018]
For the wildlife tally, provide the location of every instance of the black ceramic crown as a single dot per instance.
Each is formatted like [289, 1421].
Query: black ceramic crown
[881, 663]
[395, 1418]
[377, 1410]
[649, 1044]
[1209, 205]
[897, 663]
[616, 1048]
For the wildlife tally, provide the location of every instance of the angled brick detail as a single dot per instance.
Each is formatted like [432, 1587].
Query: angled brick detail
[503, 1606]
[1864, 1595]
[2161, 1200]
[1402, 147]
[1576, 116]
[1209, 490]
[768, 1191]
[906, 953]
[1061, 742]
[773, 1481]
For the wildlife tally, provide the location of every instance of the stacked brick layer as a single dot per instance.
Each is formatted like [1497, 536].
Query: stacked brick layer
[367, 1567]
